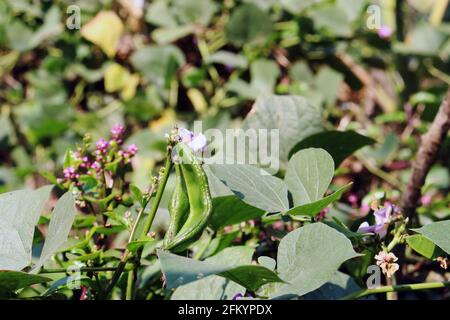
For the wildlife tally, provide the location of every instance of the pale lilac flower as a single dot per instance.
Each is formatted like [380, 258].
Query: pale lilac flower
[386, 261]
[196, 143]
[383, 217]
[185, 135]
[384, 32]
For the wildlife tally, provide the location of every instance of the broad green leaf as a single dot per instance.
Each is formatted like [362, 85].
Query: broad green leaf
[193, 11]
[264, 74]
[267, 262]
[313, 208]
[438, 232]
[339, 286]
[229, 59]
[158, 64]
[215, 287]
[171, 34]
[424, 246]
[19, 213]
[293, 116]
[296, 7]
[239, 31]
[327, 81]
[228, 210]
[180, 271]
[308, 258]
[254, 186]
[339, 144]
[309, 174]
[61, 222]
[424, 39]
[15, 280]
[104, 30]
[333, 19]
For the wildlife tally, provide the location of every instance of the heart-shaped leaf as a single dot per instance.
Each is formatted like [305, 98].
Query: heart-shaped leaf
[308, 257]
[254, 186]
[309, 174]
[179, 271]
[19, 213]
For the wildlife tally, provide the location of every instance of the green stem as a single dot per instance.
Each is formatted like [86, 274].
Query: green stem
[130, 285]
[159, 194]
[148, 223]
[397, 288]
[87, 269]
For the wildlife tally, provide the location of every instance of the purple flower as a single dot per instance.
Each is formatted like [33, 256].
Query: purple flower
[70, 173]
[117, 132]
[384, 32]
[237, 296]
[383, 217]
[132, 149]
[102, 146]
[96, 166]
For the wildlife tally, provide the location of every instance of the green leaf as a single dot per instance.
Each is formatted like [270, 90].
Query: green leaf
[267, 262]
[136, 245]
[308, 257]
[171, 34]
[424, 39]
[295, 6]
[313, 208]
[293, 116]
[216, 287]
[158, 64]
[15, 280]
[60, 224]
[309, 174]
[254, 186]
[339, 286]
[228, 59]
[439, 233]
[239, 31]
[339, 144]
[19, 213]
[230, 210]
[179, 271]
[424, 246]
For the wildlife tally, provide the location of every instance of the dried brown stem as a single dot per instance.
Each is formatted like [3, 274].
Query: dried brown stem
[429, 146]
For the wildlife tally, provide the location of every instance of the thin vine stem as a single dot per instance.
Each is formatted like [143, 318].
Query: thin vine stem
[397, 288]
[86, 269]
[148, 223]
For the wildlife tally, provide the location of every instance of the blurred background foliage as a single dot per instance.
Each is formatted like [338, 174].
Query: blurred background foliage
[151, 64]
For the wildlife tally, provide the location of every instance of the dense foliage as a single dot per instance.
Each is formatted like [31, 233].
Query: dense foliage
[118, 198]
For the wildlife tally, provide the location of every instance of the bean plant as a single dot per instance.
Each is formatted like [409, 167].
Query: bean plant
[225, 150]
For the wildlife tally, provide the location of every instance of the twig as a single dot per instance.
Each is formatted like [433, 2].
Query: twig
[429, 146]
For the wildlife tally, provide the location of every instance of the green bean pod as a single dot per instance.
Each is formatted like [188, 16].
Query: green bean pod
[199, 198]
[178, 207]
